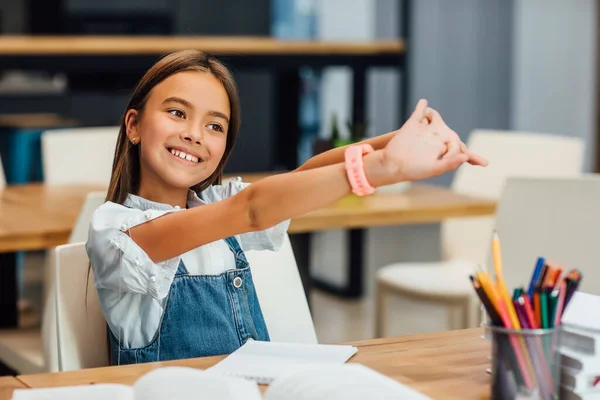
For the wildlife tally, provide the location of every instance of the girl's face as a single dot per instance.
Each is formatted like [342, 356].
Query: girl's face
[182, 131]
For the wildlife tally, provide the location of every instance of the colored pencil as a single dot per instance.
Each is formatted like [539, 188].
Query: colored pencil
[536, 275]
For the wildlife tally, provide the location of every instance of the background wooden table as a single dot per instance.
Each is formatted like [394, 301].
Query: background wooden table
[446, 365]
[7, 385]
[13, 45]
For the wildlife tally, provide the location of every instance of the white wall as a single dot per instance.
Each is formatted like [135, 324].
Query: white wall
[554, 66]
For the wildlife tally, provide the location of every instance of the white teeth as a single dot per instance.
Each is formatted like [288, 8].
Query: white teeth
[184, 156]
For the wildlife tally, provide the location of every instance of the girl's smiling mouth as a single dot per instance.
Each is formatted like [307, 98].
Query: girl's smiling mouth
[184, 155]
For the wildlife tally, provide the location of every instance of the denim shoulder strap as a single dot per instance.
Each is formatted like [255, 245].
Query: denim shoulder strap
[234, 246]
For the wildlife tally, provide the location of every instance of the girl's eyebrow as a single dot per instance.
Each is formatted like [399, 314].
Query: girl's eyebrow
[179, 100]
[187, 104]
[218, 114]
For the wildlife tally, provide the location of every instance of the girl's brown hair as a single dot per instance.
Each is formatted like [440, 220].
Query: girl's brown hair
[125, 177]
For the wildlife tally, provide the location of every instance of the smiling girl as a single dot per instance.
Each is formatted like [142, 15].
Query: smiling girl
[167, 248]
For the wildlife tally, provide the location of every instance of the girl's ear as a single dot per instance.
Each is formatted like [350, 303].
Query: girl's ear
[131, 124]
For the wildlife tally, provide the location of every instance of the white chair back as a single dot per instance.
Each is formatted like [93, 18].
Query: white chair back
[281, 295]
[553, 218]
[79, 155]
[2, 176]
[93, 200]
[49, 323]
[510, 153]
[82, 329]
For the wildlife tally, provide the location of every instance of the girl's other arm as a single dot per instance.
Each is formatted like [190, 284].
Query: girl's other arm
[336, 155]
[430, 116]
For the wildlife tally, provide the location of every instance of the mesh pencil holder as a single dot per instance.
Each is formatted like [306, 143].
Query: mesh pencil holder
[525, 363]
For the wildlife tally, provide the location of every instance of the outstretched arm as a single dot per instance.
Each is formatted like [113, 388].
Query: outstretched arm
[416, 151]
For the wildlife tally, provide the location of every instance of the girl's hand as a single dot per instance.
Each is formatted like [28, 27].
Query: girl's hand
[435, 120]
[425, 147]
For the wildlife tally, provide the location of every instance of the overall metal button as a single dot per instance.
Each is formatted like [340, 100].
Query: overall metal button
[237, 282]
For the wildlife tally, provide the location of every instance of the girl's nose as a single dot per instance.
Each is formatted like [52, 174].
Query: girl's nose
[192, 137]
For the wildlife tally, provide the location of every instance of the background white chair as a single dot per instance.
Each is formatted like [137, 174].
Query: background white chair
[465, 242]
[281, 295]
[93, 200]
[81, 327]
[553, 218]
[49, 322]
[79, 155]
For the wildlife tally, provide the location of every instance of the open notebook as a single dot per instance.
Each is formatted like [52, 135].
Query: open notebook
[264, 362]
[329, 382]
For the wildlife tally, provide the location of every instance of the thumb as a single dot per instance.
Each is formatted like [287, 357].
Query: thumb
[419, 112]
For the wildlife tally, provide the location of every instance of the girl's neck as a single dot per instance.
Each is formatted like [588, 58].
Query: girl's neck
[160, 194]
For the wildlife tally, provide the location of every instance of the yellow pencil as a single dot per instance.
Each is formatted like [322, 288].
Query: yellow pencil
[518, 343]
[503, 291]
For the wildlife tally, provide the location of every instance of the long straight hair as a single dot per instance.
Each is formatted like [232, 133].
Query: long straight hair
[125, 177]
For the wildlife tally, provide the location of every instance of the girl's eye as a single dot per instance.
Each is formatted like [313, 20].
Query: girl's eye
[177, 113]
[216, 127]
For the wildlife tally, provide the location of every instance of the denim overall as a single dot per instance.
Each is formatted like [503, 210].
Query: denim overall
[205, 315]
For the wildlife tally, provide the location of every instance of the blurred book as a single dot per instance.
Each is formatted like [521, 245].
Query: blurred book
[579, 349]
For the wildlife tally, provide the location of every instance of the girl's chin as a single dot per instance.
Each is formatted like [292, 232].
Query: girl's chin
[178, 183]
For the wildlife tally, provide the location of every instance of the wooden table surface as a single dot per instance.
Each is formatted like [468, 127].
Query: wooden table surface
[141, 45]
[7, 385]
[35, 120]
[445, 365]
[36, 216]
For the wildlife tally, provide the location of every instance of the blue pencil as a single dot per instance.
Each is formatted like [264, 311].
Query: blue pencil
[536, 275]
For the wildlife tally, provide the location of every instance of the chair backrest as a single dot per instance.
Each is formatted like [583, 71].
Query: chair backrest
[281, 295]
[2, 176]
[79, 155]
[93, 200]
[510, 153]
[49, 319]
[553, 218]
[82, 341]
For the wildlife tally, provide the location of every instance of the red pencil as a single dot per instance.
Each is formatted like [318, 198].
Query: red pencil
[529, 312]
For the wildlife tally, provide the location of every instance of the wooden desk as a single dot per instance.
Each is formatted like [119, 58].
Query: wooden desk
[155, 45]
[34, 217]
[35, 120]
[447, 365]
[7, 385]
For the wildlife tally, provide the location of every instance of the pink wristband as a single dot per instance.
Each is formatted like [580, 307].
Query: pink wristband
[355, 169]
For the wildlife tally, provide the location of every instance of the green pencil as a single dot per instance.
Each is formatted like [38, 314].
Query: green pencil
[544, 308]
